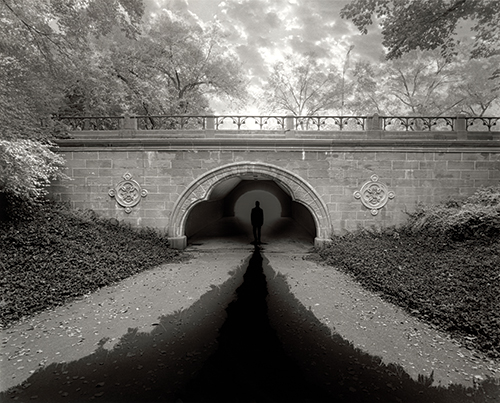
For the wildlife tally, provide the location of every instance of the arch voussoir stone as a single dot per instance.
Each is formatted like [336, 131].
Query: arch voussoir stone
[199, 190]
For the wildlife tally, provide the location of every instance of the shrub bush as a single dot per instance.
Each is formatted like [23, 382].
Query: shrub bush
[28, 166]
[477, 217]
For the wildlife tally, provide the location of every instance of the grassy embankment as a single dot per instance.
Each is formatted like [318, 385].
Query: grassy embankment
[443, 266]
[53, 255]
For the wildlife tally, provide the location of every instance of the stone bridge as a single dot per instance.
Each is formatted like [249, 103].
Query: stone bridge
[323, 174]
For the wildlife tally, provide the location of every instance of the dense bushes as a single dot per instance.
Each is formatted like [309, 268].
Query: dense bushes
[28, 166]
[477, 217]
[443, 266]
[58, 254]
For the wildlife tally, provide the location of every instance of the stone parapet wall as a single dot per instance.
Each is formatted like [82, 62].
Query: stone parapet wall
[285, 134]
[426, 171]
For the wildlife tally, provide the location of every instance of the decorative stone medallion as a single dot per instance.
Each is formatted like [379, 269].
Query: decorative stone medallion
[374, 195]
[128, 193]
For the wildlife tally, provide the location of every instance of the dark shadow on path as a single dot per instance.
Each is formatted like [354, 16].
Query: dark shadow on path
[142, 367]
[347, 373]
[250, 364]
[301, 361]
[263, 346]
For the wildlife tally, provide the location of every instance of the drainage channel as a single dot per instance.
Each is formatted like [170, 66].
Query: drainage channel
[250, 364]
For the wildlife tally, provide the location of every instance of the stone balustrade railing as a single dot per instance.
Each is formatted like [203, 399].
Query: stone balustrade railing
[460, 123]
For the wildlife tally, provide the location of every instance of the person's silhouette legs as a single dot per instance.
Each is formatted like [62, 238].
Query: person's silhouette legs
[257, 219]
[256, 234]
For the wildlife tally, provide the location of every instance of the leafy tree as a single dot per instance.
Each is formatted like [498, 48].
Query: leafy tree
[367, 95]
[45, 49]
[419, 82]
[192, 62]
[43, 46]
[426, 84]
[301, 87]
[101, 58]
[414, 24]
[170, 67]
[479, 85]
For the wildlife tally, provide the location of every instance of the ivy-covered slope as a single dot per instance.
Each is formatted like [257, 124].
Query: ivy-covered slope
[442, 266]
[58, 254]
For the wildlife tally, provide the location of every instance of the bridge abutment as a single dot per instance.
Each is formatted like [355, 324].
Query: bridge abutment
[178, 242]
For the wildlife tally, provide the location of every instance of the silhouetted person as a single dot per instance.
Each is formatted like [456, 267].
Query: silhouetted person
[257, 218]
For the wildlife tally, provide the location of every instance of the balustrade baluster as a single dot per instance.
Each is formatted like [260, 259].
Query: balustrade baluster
[461, 123]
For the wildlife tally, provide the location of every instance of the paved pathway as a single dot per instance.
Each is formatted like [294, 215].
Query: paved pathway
[134, 306]
[100, 322]
[370, 323]
[378, 327]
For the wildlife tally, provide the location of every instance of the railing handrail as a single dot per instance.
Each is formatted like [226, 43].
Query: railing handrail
[283, 122]
[280, 116]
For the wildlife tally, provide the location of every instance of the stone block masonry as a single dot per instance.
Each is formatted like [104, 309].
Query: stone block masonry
[321, 174]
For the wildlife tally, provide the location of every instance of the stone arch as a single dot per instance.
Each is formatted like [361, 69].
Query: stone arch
[199, 190]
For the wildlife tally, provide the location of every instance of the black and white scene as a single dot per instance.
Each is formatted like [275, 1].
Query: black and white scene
[250, 201]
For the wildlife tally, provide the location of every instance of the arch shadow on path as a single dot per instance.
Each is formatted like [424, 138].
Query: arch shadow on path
[269, 348]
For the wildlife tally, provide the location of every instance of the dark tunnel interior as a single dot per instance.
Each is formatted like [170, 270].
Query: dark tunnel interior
[226, 214]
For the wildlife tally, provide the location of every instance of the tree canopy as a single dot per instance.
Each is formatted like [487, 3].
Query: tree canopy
[427, 25]
[100, 58]
[301, 87]
[173, 67]
[425, 83]
[42, 45]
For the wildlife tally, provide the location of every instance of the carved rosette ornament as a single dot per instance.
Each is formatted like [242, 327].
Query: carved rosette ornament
[128, 193]
[374, 195]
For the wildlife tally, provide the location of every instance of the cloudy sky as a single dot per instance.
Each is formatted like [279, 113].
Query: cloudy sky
[261, 31]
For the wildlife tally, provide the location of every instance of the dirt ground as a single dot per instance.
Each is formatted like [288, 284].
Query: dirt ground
[120, 343]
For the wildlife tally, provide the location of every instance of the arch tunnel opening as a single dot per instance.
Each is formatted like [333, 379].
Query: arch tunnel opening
[226, 213]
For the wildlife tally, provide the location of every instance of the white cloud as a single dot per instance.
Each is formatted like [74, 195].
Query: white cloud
[263, 31]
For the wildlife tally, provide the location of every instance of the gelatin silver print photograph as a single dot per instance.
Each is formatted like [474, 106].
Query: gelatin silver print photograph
[250, 201]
